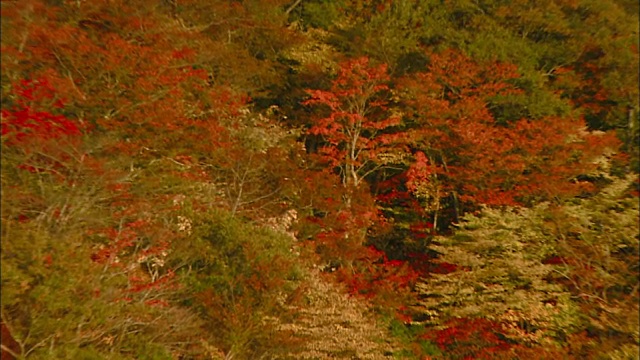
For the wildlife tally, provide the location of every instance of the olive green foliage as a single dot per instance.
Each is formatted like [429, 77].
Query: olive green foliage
[56, 301]
[239, 277]
[406, 335]
[318, 13]
[232, 282]
[391, 34]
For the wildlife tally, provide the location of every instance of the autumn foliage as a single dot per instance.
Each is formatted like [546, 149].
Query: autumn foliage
[353, 132]
[170, 171]
[487, 161]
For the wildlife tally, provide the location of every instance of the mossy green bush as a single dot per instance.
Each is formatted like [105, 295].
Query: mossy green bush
[240, 278]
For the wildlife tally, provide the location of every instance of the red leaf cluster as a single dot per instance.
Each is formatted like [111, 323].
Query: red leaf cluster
[470, 338]
[27, 124]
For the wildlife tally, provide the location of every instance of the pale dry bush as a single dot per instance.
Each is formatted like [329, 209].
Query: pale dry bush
[505, 273]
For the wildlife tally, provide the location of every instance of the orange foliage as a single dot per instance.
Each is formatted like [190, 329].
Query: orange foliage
[486, 161]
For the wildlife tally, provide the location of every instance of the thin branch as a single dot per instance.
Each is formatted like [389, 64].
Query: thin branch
[292, 7]
[133, 106]
[261, 197]
[9, 327]
[40, 344]
[11, 352]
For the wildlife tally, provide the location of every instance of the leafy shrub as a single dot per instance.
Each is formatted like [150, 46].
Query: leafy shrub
[544, 275]
[240, 278]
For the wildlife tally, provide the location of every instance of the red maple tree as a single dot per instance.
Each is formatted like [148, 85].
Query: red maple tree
[355, 129]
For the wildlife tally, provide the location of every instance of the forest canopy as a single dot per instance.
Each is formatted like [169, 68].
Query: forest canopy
[177, 174]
